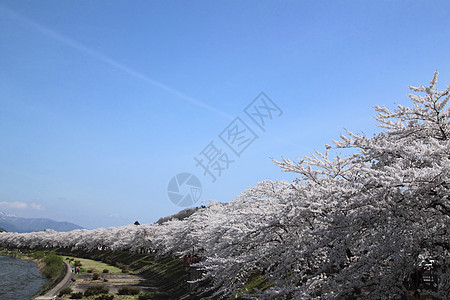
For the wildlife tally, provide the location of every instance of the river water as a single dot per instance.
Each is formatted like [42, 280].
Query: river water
[19, 279]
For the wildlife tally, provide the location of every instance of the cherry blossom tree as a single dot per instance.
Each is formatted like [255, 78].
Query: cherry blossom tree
[378, 209]
[348, 227]
[130, 237]
[355, 226]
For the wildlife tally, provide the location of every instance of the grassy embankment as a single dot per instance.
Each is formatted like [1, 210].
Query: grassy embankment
[166, 274]
[92, 266]
[145, 264]
[255, 283]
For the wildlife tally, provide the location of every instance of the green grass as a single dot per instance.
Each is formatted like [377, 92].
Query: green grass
[97, 266]
[167, 273]
[53, 266]
[12, 253]
[256, 282]
[38, 255]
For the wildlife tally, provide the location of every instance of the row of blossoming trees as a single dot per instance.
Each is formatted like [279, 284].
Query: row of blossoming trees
[355, 226]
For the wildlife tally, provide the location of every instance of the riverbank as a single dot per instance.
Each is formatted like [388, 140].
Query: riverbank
[18, 254]
[19, 279]
[66, 275]
[48, 264]
[154, 277]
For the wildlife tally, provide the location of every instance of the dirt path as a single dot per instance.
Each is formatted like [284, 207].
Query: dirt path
[57, 288]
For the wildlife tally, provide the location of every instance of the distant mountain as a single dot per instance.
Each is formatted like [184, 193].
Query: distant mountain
[12, 223]
[2, 230]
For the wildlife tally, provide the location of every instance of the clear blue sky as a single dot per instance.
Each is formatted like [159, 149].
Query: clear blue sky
[103, 102]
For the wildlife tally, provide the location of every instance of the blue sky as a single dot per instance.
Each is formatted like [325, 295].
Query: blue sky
[103, 102]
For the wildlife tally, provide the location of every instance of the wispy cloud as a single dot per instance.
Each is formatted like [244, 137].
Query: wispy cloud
[36, 206]
[79, 46]
[20, 205]
[16, 205]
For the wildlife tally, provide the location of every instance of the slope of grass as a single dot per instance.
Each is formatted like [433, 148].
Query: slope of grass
[96, 266]
[168, 274]
[53, 266]
[255, 283]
